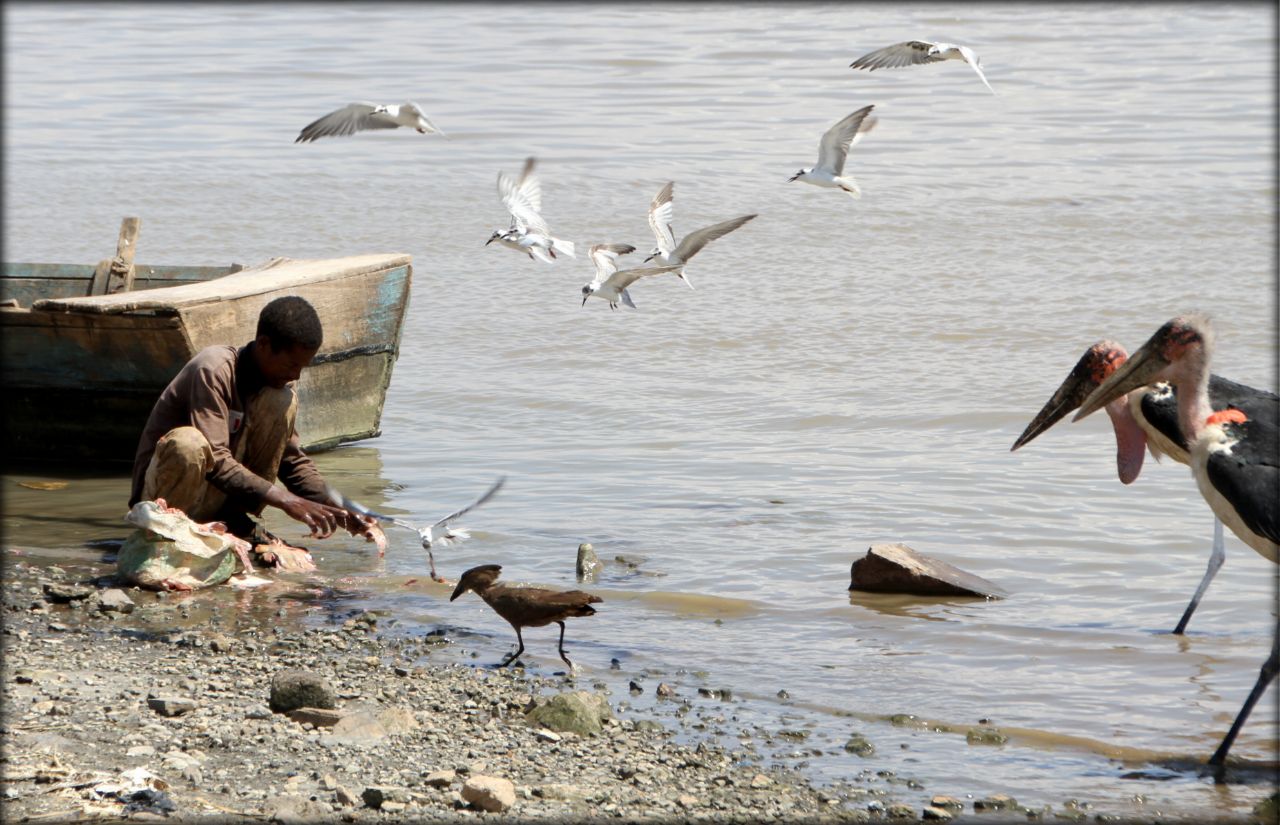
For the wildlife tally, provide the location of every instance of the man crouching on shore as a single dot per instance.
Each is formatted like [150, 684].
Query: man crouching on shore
[222, 433]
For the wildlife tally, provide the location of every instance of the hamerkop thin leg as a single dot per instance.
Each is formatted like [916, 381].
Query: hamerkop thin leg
[515, 655]
[562, 653]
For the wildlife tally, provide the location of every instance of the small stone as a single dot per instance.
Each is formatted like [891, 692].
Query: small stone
[588, 563]
[345, 797]
[170, 705]
[940, 814]
[291, 809]
[761, 781]
[116, 600]
[440, 779]
[489, 793]
[547, 735]
[984, 735]
[995, 802]
[900, 810]
[377, 796]
[319, 717]
[859, 746]
[664, 690]
[64, 593]
[948, 802]
[687, 801]
[293, 689]
[635, 688]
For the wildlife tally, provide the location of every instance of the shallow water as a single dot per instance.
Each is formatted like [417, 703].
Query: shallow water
[846, 372]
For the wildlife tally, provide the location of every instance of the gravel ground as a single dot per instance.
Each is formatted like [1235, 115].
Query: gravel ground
[133, 705]
[86, 693]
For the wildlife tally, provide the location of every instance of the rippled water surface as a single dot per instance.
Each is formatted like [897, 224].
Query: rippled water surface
[845, 373]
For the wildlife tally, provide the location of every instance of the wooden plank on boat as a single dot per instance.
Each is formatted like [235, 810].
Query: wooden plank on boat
[274, 275]
[116, 274]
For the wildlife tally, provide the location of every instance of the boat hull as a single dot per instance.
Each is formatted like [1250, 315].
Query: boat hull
[81, 374]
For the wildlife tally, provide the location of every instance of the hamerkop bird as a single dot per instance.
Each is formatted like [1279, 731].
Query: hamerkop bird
[525, 606]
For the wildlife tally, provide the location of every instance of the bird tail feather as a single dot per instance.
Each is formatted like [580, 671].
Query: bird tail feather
[563, 246]
[850, 186]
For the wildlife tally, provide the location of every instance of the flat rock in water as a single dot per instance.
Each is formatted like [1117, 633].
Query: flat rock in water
[896, 568]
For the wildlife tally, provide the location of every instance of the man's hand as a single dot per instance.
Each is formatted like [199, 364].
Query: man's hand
[322, 519]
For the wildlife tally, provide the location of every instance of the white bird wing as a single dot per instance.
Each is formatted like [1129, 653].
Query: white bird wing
[867, 126]
[692, 243]
[530, 186]
[522, 212]
[605, 257]
[834, 147]
[416, 114]
[972, 60]
[497, 485]
[660, 217]
[624, 278]
[340, 499]
[910, 53]
[352, 118]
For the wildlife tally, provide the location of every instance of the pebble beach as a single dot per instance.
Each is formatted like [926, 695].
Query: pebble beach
[93, 693]
[119, 705]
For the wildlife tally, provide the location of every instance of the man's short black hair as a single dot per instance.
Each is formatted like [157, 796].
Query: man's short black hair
[290, 321]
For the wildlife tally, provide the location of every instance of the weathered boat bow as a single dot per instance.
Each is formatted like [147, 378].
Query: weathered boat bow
[81, 371]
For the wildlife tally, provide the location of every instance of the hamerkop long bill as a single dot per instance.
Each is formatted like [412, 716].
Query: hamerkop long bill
[526, 606]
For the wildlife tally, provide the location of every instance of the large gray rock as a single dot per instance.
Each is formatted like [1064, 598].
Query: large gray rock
[293, 689]
[580, 711]
[896, 568]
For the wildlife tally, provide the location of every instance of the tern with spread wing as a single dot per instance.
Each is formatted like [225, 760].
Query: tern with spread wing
[438, 533]
[360, 117]
[832, 152]
[915, 52]
[667, 252]
[611, 284]
[528, 232]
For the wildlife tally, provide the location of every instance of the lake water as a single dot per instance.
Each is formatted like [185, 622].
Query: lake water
[846, 372]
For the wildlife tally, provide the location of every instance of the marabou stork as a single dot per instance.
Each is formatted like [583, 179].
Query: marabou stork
[1149, 418]
[1235, 457]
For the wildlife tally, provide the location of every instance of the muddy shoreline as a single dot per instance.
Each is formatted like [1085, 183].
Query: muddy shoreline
[179, 686]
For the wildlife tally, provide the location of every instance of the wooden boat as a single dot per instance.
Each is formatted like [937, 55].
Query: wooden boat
[87, 349]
